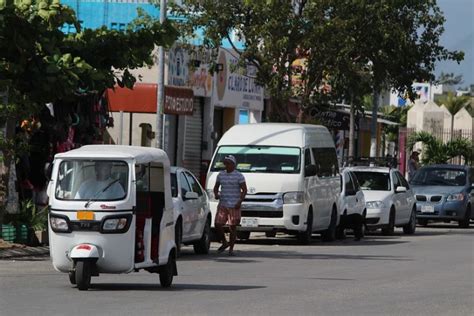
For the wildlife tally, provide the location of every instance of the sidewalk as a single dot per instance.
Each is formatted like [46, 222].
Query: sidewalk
[17, 252]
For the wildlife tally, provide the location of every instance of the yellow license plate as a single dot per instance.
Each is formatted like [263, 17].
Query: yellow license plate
[85, 216]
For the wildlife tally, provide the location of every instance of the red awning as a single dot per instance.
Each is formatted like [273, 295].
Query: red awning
[142, 99]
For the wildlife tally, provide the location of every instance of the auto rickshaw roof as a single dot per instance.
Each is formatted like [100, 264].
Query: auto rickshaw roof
[139, 154]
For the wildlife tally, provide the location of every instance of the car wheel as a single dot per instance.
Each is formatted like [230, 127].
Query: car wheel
[83, 274]
[178, 236]
[422, 222]
[203, 245]
[389, 229]
[330, 233]
[340, 233]
[410, 228]
[304, 237]
[464, 223]
[243, 235]
[167, 271]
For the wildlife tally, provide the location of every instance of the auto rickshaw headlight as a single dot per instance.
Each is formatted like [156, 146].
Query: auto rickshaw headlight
[59, 224]
[112, 224]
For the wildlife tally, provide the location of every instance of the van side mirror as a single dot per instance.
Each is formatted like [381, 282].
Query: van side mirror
[400, 189]
[310, 170]
[191, 196]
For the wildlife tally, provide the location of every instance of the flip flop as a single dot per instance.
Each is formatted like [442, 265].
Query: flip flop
[222, 248]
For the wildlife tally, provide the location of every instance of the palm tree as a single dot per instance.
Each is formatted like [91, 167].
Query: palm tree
[436, 152]
[454, 104]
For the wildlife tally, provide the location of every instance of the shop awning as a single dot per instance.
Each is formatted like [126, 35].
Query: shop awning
[143, 99]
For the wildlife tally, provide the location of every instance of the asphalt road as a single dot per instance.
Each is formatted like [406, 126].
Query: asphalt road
[430, 273]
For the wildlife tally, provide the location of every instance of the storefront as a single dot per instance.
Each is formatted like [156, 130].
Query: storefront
[237, 98]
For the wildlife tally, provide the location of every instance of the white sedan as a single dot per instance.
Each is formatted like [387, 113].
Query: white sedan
[351, 206]
[389, 200]
[191, 211]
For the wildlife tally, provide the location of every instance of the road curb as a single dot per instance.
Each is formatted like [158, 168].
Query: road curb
[23, 252]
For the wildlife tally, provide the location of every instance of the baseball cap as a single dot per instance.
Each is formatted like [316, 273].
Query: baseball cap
[231, 159]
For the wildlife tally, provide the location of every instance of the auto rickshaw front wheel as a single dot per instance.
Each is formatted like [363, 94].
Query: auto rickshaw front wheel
[83, 274]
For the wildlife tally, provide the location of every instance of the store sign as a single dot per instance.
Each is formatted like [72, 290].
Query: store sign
[178, 101]
[234, 89]
[333, 119]
[182, 73]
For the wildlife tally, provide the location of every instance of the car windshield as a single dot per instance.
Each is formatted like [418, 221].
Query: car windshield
[442, 177]
[265, 159]
[92, 180]
[373, 181]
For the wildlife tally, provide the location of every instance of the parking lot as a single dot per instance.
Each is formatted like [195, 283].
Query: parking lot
[429, 273]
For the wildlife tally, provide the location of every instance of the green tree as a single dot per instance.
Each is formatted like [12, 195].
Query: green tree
[449, 79]
[454, 104]
[41, 64]
[436, 152]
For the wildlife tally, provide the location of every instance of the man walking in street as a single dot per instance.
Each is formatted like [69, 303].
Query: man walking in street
[233, 191]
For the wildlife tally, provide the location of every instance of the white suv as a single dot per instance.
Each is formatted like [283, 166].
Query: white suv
[389, 200]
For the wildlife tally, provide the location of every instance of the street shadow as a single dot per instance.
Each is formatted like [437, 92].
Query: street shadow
[104, 287]
[214, 256]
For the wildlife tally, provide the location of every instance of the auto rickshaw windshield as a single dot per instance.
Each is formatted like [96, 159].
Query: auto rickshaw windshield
[99, 180]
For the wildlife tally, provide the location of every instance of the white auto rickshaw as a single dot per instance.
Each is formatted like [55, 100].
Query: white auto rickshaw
[111, 211]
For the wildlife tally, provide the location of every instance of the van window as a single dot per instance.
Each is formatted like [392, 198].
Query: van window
[326, 160]
[260, 159]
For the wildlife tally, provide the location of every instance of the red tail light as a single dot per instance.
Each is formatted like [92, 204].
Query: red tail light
[85, 247]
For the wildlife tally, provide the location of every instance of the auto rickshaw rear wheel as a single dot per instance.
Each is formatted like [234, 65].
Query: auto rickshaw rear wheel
[83, 274]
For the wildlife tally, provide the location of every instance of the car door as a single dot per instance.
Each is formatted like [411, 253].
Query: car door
[360, 201]
[349, 198]
[471, 189]
[401, 200]
[187, 206]
[199, 207]
[410, 196]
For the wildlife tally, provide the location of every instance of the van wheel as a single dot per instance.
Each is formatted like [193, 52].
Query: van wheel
[389, 229]
[178, 236]
[203, 245]
[83, 274]
[330, 233]
[304, 237]
[243, 235]
[410, 228]
[270, 234]
[167, 271]
[464, 223]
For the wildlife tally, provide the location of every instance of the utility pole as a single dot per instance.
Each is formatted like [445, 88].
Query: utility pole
[159, 131]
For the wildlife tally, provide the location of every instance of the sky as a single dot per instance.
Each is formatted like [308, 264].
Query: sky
[458, 35]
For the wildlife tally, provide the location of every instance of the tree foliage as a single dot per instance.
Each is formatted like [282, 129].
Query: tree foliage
[355, 46]
[437, 152]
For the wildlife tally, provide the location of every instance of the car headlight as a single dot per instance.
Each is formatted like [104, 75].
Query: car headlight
[112, 224]
[293, 197]
[375, 204]
[59, 224]
[210, 194]
[455, 197]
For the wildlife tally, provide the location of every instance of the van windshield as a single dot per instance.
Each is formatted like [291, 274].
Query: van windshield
[264, 159]
[98, 180]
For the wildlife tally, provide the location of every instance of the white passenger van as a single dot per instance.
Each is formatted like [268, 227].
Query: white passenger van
[292, 178]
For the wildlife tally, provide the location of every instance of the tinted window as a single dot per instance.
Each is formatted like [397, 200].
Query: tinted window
[184, 185]
[355, 182]
[326, 160]
[378, 181]
[348, 182]
[307, 157]
[441, 177]
[194, 184]
[396, 180]
[403, 181]
[174, 185]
